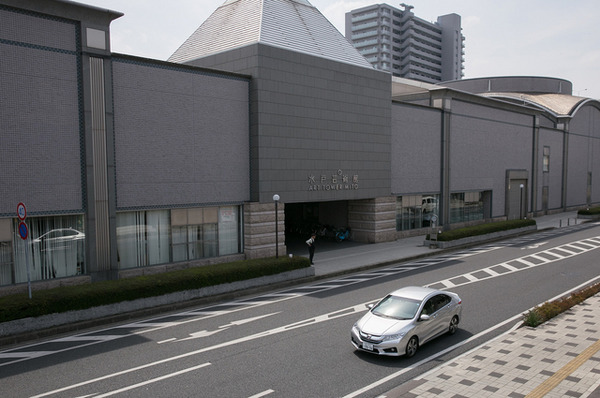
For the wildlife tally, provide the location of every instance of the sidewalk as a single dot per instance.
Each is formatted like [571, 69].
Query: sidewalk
[333, 258]
[560, 358]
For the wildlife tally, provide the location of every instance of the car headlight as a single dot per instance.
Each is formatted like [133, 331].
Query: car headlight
[396, 336]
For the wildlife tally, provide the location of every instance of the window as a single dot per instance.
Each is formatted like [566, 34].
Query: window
[157, 237]
[422, 211]
[55, 249]
[6, 264]
[416, 211]
[546, 160]
[466, 206]
[143, 238]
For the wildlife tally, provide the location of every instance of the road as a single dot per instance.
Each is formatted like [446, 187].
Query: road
[295, 342]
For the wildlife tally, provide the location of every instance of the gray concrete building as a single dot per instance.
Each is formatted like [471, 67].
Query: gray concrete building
[122, 165]
[407, 46]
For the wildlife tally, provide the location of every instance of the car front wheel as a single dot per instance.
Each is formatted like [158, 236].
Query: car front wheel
[412, 346]
[453, 325]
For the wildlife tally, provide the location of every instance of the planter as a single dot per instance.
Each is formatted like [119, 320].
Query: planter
[478, 238]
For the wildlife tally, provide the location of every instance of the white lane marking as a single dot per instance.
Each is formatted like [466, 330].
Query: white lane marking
[131, 387]
[24, 354]
[510, 269]
[166, 341]
[263, 394]
[108, 377]
[106, 337]
[296, 325]
[248, 320]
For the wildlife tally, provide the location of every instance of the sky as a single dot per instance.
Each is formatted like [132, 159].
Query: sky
[502, 38]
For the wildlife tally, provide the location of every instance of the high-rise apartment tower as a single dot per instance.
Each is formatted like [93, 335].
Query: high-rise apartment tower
[397, 41]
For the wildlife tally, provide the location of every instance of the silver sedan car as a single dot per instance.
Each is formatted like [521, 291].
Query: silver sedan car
[405, 319]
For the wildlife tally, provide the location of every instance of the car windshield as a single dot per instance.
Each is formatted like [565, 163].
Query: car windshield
[397, 307]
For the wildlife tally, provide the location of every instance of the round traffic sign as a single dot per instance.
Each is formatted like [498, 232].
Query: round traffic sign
[23, 231]
[21, 211]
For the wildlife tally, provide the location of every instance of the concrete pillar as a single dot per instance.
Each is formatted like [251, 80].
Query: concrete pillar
[373, 220]
[259, 230]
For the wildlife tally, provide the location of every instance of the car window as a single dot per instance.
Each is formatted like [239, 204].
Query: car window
[429, 307]
[396, 307]
[440, 301]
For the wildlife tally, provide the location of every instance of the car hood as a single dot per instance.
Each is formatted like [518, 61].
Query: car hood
[378, 325]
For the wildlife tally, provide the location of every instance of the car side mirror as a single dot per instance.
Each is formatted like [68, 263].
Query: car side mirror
[370, 306]
[424, 317]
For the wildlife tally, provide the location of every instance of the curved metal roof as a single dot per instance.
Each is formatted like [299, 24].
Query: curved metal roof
[295, 25]
[557, 104]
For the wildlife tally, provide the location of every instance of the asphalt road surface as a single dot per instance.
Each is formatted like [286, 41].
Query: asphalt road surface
[296, 342]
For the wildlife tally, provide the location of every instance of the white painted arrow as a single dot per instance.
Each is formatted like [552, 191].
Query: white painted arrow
[534, 246]
[206, 333]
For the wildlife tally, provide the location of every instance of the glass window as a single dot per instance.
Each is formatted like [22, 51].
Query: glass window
[55, 249]
[6, 264]
[422, 211]
[149, 237]
[466, 206]
[416, 211]
[397, 307]
[546, 160]
[143, 238]
[229, 231]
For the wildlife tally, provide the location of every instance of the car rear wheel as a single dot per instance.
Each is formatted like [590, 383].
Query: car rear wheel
[453, 325]
[412, 346]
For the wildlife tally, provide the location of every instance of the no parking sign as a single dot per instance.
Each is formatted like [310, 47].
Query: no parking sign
[23, 231]
[22, 214]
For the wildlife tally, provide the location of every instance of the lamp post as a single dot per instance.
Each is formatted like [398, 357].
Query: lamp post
[276, 200]
[521, 206]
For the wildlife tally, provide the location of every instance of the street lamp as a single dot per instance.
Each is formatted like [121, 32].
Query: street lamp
[276, 200]
[521, 207]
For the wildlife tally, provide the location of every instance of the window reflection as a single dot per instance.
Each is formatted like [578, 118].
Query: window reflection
[422, 211]
[416, 211]
[55, 249]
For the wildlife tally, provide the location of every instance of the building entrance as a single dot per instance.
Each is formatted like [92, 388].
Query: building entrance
[324, 218]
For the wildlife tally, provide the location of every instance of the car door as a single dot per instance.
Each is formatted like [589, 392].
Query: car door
[427, 329]
[442, 314]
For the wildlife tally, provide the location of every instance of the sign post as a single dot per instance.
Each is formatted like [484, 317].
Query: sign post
[24, 234]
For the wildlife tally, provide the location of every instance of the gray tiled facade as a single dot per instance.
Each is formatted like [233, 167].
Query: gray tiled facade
[313, 117]
[168, 152]
[91, 134]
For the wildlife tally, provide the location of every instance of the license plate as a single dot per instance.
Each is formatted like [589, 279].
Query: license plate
[368, 346]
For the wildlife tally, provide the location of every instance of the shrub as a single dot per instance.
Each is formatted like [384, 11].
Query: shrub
[69, 298]
[594, 211]
[532, 318]
[549, 310]
[483, 229]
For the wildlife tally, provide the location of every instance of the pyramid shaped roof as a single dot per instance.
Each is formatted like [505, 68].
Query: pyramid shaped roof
[295, 25]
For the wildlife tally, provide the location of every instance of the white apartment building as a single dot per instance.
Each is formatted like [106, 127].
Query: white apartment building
[397, 41]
